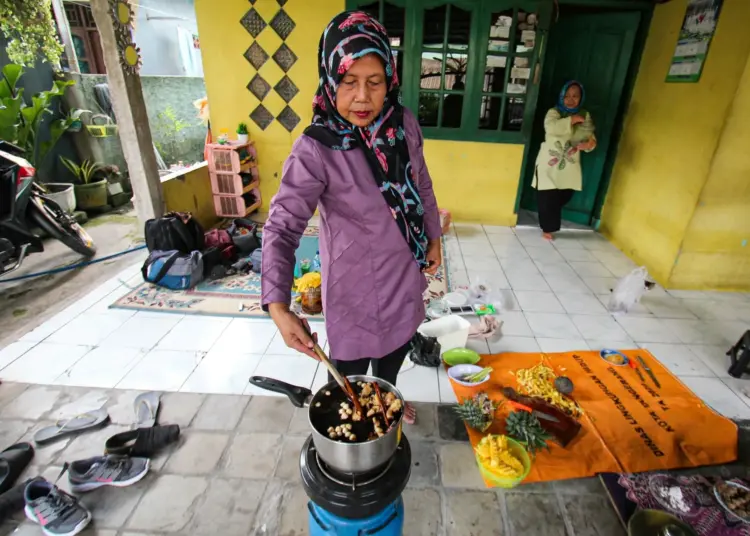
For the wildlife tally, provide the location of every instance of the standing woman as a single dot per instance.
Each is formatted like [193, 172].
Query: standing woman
[361, 163]
[568, 131]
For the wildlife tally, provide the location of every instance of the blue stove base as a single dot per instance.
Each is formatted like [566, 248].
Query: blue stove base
[389, 522]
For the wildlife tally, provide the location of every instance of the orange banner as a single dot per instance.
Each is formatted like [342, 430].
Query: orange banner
[628, 425]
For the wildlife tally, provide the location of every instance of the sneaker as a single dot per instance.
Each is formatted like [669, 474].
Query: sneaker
[58, 513]
[117, 471]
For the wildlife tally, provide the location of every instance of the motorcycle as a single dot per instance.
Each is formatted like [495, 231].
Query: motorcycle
[23, 203]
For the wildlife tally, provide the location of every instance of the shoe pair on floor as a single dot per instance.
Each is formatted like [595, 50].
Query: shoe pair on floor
[61, 514]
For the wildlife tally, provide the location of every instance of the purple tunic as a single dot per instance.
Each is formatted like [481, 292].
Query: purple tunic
[372, 285]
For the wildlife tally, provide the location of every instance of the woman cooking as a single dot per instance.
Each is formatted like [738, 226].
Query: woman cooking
[361, 163]
[569, 130]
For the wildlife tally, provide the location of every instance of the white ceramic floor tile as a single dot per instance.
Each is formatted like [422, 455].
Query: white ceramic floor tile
[679, 359]
[141, 331]
[590, 269]
[740, 387]
[600, 285]
[599, 327]
[555, 268]
[577, 255]
[647, 329]
[532, 238]
[562, 241]
[552, 326]
[718, 396]
[510, 250]
[467, 232]
[161, 370]
[561, 345]
[567, 283]
[514, 324]
[43, 363]
[666, 307]
[584, 304]
[538, 301]
[689, 294]
[297, 370]
[321, 378]
[544, 253]
[598, 344]
[102, 307]
[248, 336]
[13, 351]
[480, 250]
[619, 268]
[447, 394]
[526, 281]
[459, 279]
[479, 345]
[482, 264]
[194, 334]
[420, 384]
[521, 265]
[695, 331]
[509, 301]
[514, 344]
[494, 278]
[279, 347]
[730, 331]
[596, 242]
[101, 367]
[497, 230]
[222, 372]
[714, 357]
[636, 310]
[88, 329]
[504, 240]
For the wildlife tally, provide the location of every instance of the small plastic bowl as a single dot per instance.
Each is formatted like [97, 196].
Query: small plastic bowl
[459, 371]
[505, 482]
[460, 356]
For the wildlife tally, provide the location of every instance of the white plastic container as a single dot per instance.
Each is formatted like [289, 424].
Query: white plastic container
[451, 331]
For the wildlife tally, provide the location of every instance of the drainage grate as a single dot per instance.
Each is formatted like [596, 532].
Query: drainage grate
[284, 57]
[288, 118]
[253, 22]
[256, 55]
[259, 87]
[262, 117]
[282, 24]
[286, 89]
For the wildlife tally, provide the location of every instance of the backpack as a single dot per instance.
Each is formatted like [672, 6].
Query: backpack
[176, 231]
[244, 234]
[221, 240]
[173, 270]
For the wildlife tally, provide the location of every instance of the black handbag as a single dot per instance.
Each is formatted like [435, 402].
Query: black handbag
[244, 234]
[176, 231]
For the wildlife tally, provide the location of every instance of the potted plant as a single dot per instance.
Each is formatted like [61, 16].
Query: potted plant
[91, 193]
[242, 133]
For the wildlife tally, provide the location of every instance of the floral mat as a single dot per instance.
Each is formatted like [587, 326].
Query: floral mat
[238, 295]
[688, 497]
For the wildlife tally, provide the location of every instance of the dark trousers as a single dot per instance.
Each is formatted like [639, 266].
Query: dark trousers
[551, 203]
[386, 368]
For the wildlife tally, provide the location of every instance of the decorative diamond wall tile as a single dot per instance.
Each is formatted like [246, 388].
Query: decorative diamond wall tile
[281, 2]
[288, 118]
[252, 2]
[253, 22]
[262, 117]
[256, 55]
[282, 24]
[286, 89]
[259, 87]
[284, 57]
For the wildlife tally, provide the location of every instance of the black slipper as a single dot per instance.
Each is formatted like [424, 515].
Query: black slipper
[142, 442]
[13, 500]
[13, 462]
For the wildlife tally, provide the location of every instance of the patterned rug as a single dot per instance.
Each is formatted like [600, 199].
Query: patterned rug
[238, 295]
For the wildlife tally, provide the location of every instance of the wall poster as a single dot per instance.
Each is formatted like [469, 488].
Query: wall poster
[697, 30]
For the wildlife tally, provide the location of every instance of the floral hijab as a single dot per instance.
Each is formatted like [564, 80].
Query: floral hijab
[350, 36]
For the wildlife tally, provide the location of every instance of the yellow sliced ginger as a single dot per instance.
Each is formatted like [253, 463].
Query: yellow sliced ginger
[539, 381]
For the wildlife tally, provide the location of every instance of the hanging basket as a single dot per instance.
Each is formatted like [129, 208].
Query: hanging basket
[101, 129]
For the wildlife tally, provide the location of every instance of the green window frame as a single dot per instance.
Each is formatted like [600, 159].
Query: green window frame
[500, 107]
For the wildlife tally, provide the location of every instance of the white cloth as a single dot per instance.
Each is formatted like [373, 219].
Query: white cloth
[192, 63]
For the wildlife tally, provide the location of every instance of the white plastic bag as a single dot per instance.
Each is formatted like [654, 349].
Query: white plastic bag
[628, 291]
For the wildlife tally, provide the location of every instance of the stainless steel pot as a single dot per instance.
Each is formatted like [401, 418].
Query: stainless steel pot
[353, 458]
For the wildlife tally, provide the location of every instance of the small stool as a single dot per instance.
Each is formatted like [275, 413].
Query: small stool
[740, 356]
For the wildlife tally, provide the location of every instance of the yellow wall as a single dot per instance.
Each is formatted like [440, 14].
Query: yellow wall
[488, 194]
[191, 192]
[672, 137]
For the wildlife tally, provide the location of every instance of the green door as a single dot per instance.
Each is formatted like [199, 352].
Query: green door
[594, 49]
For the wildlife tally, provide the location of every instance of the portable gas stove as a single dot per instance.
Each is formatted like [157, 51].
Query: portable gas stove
[343, 504]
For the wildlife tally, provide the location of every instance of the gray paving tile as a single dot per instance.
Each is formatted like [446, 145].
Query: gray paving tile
[268, 414]
[111, 507]
[579, 486]
[12, 431]
[294, 514]
[288, 466]
[88, 444]
[168, 504]
[11, 391]
[532, 513]
[458, 467]
[180, 408]
[45, 454]
[31, 403]
[74, 401]
[592, 516]
[121, 406]
[426, 425]
[220, 412]
[424, 464]
[475, 513]
[424, 514]
[300, 424]
[228, 508]
[197, 453]
[252, 456]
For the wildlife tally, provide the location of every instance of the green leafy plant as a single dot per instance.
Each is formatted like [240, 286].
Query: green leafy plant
[31, 33]
[20, 123]
[85, 173]
[525, 428]
[478, 411]
[171, 137]
[242, 128]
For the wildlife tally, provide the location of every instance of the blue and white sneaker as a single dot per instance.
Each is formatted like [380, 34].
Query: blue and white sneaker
[58, 513]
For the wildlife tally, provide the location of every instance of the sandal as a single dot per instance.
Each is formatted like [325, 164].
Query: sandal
[13, 462]
[63, 428]
[146, 409]
[142, 442]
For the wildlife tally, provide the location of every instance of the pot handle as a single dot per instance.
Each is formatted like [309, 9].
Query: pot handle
[299, 396]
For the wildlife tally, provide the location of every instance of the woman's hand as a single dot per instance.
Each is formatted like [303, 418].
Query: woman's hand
[577, 119]
[433, 256]
[587, 145]
[293, 329]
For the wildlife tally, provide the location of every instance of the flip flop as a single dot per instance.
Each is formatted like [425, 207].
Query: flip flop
[13, 462]
[142, 442]
[79, 423]
[146, 409]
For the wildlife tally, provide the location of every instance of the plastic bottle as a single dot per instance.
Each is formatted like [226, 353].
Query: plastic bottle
[315, 267]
